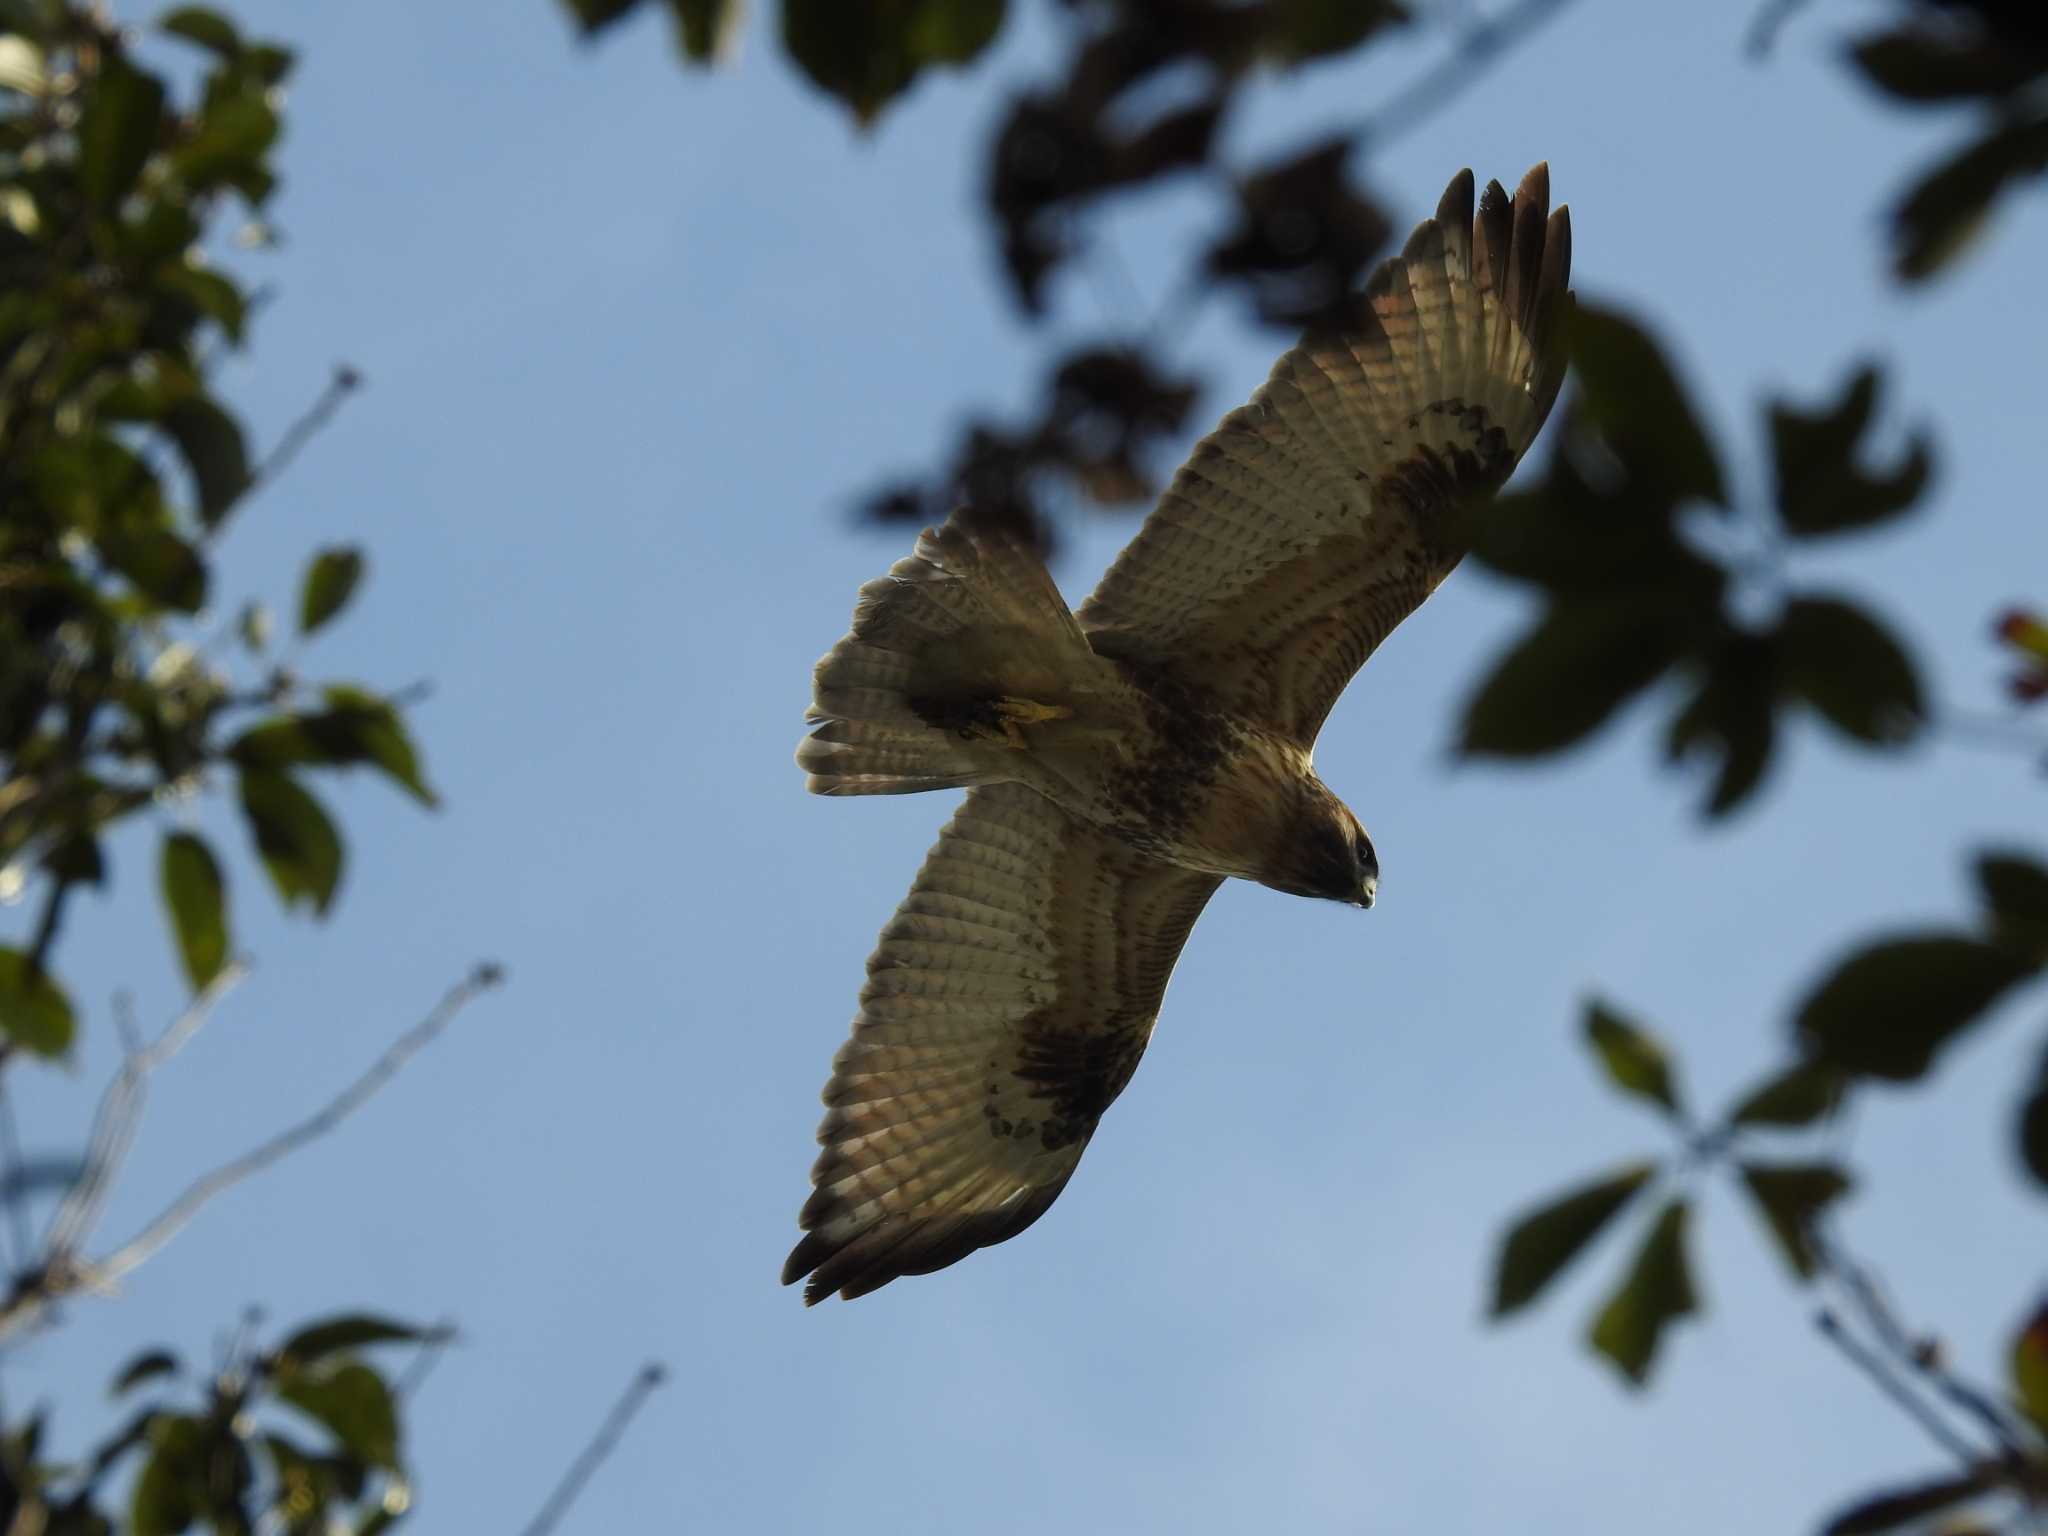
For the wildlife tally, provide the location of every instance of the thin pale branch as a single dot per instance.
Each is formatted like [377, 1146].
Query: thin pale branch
[606, 1440]
[174, 1218]
[344, 382]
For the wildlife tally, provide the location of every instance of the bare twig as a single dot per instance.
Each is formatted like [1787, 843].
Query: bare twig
[16, 1190]
[431, 1349]
[1878, 1369]
[1765, 25]
[601, 1445]
[344, 382]
[140, 1248]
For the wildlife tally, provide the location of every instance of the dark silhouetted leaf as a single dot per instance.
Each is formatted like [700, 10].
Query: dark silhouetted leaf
[1792, 1198]
[354, 1404]
[865, 52]
[1302, 239]
[1635, 1060]
[298, 842]
[2015, 888]
[330, 582]
[703, 27]
[1848, 667]
[2033, 1126]
[593, 15]
[148, 1366]
[1632, 396]
[75, 859]
[1821, 487]
[1563, 679]
[1731, 716]
[1309, 29]
[160, 565]
[2030, 1368]
[1544, 1241]
[314, 1343]
[1950, 204]
[213, 448]
[1886, 1010]
[356, 728]
[1925, 67]
[117, 128]
[1802, 1094]
[34, 1012]
[1901, 1507]
[196, 898]
[209, 29]
[1656, 1293]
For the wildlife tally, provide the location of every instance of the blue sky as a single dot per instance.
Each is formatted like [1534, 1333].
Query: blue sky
[635, 340]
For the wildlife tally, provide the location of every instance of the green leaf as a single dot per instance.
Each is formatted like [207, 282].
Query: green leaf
[330, 582]
[2015, 888]
[75, 859]
[315, 1342]
[1732, 716]
[1563, 679]
[1539, 1245]
[595, 15]
[1312, 29]
[1792, 1197]
[1889, 1008]
[117, 128]
[229, 147]
[1821, 488]
[212, 445]
[148, 1366]
[1851, 671]
[208, 29]
[170, 1495]
[1900, 1507]
[1657, 1292]
[34, 1012]
[353, 1403]
[1633, 396]
[2030, 1369]
[196, 898]
[1928, 68]
[159, 564]
[357, 728]
[1802, 1094]
[293, 834]
[866, 52]
[1635, 1060]
[1947, 208]
[705, 27]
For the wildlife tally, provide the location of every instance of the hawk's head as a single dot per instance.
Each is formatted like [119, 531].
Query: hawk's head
[1327, 854]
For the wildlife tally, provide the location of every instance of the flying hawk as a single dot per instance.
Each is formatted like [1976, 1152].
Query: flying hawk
[1123, 760]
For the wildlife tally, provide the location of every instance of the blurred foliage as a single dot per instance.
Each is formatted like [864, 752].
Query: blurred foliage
[302, 1439]
[122, 691]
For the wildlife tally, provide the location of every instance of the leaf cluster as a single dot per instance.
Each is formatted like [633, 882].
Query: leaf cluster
[240, 1460]
[120, 470]
[1633, 601]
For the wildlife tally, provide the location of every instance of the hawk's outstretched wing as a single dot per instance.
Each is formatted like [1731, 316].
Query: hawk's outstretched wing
[1320, 514]
[1006, 1006]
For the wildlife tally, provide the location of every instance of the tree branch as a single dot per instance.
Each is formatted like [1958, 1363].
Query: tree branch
[1484, 42]
[652, 1375]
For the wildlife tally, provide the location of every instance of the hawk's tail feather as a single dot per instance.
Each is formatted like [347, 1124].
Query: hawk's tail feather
[955, 658]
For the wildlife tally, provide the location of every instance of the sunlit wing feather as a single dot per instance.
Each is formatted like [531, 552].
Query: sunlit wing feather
[1006, 1006]
[1320, 514]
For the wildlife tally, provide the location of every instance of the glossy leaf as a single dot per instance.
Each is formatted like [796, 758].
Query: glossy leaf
[2029, 1364]
[1563, 679]
[297, 841]
[117, 129]
[333, 1335]
[1889, 1008]
[1792, 1197]
[331, 580]
[1633, 396]
[34, 1012]
[152, 1365]
[1657, 1291]
[1635, 1060]
[866, 52]
[354, 1405]
[1540, 1244]
[1850, 669]
[196, 897]
[1801, 1095]
[1898, 1508]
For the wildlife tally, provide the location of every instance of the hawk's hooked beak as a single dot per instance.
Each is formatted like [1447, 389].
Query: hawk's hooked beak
[1368, 890]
